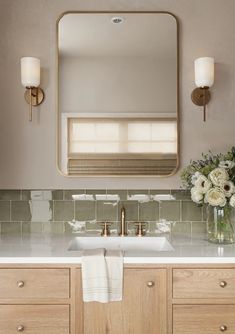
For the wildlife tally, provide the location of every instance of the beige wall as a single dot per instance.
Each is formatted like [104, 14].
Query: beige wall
[117, 84]
[28, 158]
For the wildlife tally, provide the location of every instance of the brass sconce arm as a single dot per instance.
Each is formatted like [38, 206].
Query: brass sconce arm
[201, 97]
[34, 96]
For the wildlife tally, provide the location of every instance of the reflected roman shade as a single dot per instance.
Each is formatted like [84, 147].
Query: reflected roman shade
[122, 146]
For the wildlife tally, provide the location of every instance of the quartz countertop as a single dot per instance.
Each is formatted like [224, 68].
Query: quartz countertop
[53, 249]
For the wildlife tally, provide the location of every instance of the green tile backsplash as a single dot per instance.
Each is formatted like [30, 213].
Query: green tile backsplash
[190, 211]
[49, 211]
[85, 210]
[170, 210]
[5, 211]
[63, 210]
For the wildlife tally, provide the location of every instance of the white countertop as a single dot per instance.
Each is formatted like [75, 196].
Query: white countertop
[52, 249]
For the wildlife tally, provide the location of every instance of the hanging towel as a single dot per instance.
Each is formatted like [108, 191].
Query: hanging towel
[102, 275]
[114, 262]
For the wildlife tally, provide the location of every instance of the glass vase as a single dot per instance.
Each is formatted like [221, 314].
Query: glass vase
[219, 225]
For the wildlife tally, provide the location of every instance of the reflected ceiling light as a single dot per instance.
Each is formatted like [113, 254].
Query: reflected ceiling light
[204, 79]
[30, 79]
[117, 19]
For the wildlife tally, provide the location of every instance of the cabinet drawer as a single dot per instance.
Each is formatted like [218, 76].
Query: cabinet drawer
[34, 283]
[204, 283]
[203, 319]
[34, 319]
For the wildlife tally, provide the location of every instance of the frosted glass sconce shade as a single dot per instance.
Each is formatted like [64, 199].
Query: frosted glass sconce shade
[30, 72]
[204, 79]
[30, 79]
[204, 71]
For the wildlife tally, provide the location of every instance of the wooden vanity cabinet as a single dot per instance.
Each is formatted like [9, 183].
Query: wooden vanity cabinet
[36, 300]
[34, 319]
[203, 300]
[203, 319]
[142, 310]
[157, 299]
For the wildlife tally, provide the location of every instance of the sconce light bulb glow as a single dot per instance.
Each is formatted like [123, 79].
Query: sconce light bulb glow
[204, 71]
[30, 72]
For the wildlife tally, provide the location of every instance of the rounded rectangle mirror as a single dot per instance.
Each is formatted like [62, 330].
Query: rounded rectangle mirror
[118, 93]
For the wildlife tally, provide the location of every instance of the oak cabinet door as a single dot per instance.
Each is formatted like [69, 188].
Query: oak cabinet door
[142, 310]
[26, 283]
[203, 319]
[203, 283]
[34, 319]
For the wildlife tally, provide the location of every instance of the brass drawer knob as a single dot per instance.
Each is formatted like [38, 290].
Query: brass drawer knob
[223, 328]
[20, 328]
[150, 284]
[20, 284]
[223, 284]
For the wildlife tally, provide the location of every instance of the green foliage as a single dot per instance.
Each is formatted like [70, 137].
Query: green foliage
[205, 165]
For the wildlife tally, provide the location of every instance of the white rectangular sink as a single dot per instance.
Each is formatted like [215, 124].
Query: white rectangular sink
[149, 244]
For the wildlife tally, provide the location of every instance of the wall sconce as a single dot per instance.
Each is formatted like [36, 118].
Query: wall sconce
[204, 79]
[30, 79]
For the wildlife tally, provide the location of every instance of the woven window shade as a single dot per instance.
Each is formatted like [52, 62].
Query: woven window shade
[122, 146]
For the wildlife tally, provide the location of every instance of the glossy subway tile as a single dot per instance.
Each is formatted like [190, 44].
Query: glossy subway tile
[49, 210]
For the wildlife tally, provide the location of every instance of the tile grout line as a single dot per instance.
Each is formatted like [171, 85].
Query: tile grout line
[21, 229]
[138, 211]
[191, 230]
[95, 210]
[53, 210]
[10, 208]
[159, 210]
[181, 207]
[74, 211]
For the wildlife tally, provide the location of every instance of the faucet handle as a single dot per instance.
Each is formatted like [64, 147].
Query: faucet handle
[105, 229]
[140, 232]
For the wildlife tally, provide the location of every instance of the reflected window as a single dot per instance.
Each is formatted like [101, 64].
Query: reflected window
[122, 142]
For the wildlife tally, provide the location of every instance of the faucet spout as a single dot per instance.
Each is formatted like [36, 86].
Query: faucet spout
[123, 224]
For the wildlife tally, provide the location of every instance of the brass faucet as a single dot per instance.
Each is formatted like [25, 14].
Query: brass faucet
[140, 232]
[123, 224]
[105, 229]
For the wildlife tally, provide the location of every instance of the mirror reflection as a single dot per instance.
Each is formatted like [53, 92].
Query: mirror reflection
[118, 93]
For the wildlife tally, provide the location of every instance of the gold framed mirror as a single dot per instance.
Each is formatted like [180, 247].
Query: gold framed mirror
[118, 94]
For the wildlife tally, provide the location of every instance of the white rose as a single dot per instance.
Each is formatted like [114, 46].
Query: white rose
[194, 177]
[202, 184]
[228, 188]
[196, 195]
[227, 164]
[218, 176]
[232, 201]
[215, 197]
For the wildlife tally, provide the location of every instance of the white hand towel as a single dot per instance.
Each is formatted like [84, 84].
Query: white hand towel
[94, 276]
[114, 262]
[102, 276]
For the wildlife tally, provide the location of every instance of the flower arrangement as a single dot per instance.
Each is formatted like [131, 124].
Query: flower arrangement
[211, 180]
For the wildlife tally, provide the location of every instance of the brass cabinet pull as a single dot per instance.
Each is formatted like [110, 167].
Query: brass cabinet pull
[223, 284]
[223, 328]
[150, 284]
[20, 284]
[20, 328]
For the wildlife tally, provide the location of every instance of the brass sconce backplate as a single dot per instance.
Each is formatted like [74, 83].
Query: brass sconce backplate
[36, 98]
[201, 96]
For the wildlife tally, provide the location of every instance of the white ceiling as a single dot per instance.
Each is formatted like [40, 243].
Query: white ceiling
[140, 34]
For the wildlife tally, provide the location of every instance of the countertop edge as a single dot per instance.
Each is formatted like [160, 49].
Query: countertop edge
[127, 260]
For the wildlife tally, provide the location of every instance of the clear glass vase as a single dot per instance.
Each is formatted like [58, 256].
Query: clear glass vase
[219, 225]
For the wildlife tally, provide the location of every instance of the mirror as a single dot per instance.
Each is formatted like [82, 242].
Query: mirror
[118, 93]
